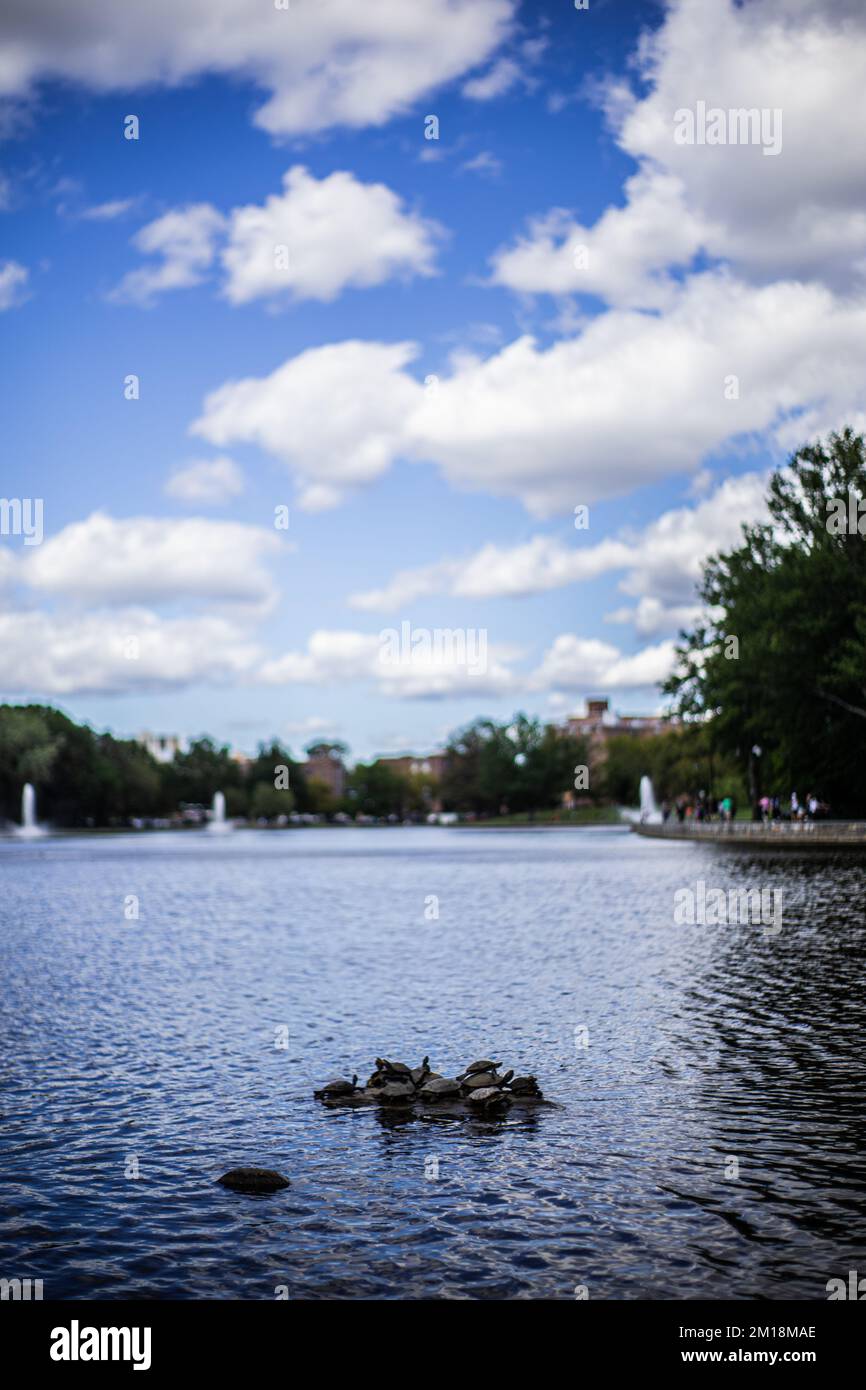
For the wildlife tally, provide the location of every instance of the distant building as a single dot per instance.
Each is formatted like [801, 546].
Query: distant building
[327, 768]
[413, 765]
[163, 747]
[600, 723]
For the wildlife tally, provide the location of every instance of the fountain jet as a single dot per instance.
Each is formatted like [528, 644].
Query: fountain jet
[29, 828]
[218, 825]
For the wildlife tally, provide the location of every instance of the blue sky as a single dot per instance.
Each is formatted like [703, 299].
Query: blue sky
[448, 502]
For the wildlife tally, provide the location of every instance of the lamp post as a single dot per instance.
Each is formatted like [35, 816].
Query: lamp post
[754, 776]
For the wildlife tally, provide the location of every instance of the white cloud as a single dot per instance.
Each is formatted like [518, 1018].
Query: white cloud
[8, 568]
[499, 79]
[662, 564]
[313, 240]
[185, 241]
[485, 162]
[494, 571]
[638, 397]
[207, 481]
[798, 214]
[322, 65]
[634, 398]
[651, 616]
[109, 211]
[154, 560]
[118, 652]
[13, 284]
[336, 232]
[339, 657]
[582, 664]
[334, 415]
[621, 258]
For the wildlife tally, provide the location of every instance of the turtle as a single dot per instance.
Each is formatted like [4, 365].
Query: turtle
[487, 1098]
[395, 1093]
[253, 1180]
[440, 1088]
[395, 1069]
[335, 1089]
[479, 1079]
[419, 1074]
[525, 1086]
[483, 1065]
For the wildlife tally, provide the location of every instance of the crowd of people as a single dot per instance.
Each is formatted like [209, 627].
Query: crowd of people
[700, 808]
[768, 808]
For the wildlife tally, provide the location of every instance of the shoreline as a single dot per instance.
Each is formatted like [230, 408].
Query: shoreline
[782, 835]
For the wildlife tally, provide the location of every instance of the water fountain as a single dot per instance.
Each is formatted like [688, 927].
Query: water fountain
[29, 827]
[218, 825]
[649, 811]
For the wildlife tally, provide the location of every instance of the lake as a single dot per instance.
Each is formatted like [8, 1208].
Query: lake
[707, 1139]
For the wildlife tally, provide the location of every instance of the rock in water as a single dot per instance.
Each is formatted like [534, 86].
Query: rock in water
[253, 1180]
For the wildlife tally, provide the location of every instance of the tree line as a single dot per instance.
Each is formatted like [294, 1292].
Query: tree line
[515, 767]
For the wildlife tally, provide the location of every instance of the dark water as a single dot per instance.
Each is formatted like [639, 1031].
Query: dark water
[154, 1040]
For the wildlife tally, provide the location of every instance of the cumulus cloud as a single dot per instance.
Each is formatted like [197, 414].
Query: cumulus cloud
[494, 571]
[321, 65]
[549, 425]
[153, 560]
[571, 663]
[334, 415]
[661, 564]
[319, 236]
[206, 481]
[797, 214]
[581, 664]
[13, 284]
[184, 240]
[113, 653]
[452, 668]
[621, 259]
[313, 240]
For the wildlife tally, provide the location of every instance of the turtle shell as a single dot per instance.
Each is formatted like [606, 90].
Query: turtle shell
[440, 1087]
[525, 1086]
[395, 1093]
[483, 1065]
[477, 1079]
[488, 1098]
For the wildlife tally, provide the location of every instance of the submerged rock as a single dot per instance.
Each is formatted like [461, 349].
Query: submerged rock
[253, 1180]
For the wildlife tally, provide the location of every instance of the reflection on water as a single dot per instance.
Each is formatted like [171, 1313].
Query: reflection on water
[152, 1041]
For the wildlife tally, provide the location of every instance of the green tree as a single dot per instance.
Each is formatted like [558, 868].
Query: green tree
[375, 789]
[779, 663]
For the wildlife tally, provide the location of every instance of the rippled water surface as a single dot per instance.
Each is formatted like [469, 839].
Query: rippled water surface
[154, 1040]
